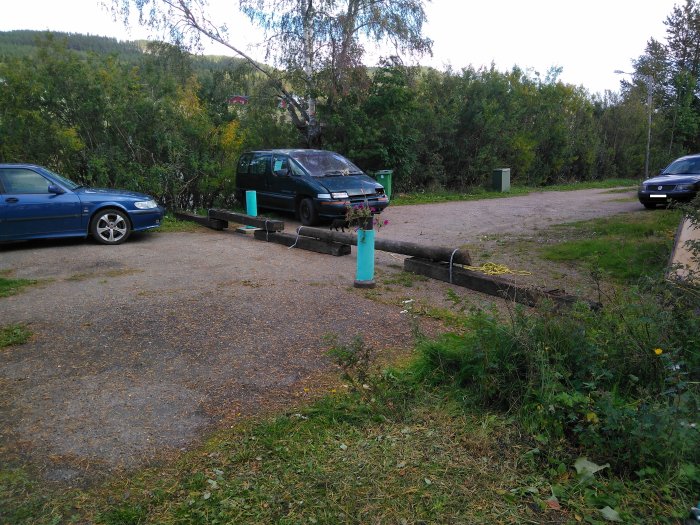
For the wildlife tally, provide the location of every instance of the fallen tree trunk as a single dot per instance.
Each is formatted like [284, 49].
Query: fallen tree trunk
[422, 251]
[270, 225]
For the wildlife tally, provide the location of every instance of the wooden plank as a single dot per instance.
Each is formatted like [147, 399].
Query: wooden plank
[270, 225]
[490, 284]
[304, 243]
[422, 251]
[214, 224]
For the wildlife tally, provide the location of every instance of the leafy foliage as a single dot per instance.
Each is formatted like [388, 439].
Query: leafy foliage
[154, 127]
[621, 383]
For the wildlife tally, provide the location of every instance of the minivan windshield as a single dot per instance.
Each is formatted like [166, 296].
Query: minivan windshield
[684, 166]
[325, 164]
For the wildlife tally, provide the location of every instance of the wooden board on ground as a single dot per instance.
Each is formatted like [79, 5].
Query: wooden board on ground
[304, 243]
[490, 284]
[270, 225]
[214, 224]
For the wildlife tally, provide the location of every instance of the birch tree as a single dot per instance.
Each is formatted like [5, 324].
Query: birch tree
[304, 39]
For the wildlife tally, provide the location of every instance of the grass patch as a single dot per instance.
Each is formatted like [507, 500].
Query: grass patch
[338, 461]
[14, 334]
[626, 247]
[421, 455]
[428, 197]
[172, 225]
[10, 286]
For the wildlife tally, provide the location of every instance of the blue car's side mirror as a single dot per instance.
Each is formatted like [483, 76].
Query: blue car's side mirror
[53, 188]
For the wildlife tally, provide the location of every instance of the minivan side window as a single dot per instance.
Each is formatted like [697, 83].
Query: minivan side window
[244, 163]
[279, 163]
[259, 165]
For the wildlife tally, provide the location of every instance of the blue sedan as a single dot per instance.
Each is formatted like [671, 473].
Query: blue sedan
[36, 203]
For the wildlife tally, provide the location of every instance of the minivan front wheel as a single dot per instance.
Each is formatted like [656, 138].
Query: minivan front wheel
[307, 212]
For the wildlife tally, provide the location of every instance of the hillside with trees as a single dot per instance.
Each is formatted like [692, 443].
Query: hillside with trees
[155, 117]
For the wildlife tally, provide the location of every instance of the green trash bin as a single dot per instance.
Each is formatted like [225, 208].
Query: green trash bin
[383, 177]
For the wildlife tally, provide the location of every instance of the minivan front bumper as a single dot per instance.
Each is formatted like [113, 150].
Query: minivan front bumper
[336, 208]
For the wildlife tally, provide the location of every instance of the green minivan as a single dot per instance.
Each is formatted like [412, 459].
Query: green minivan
[314, 184]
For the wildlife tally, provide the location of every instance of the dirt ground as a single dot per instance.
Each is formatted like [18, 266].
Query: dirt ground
[140, 349]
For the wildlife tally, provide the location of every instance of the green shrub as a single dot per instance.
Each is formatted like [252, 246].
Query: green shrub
[620, 383]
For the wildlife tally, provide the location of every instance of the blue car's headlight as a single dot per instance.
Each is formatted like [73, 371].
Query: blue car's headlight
[146, 205]
[685, 187]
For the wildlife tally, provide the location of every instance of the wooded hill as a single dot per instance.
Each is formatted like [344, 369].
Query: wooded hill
[152, 117]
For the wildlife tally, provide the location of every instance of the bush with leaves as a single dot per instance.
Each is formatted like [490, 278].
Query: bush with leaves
[620, 384]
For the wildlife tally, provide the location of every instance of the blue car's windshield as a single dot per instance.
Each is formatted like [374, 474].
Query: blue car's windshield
[64, 181]
[325, 164]
[684, 166]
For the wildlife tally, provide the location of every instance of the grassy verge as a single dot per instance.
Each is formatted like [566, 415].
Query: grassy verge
[409, 454]
[170, 225]
[427, 197]
[10, 286]
[625, 247]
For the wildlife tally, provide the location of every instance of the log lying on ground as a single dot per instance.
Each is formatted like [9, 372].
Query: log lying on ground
[214, 224]
[270, 225]
[491, 284]
[304, 243]
[432, 253]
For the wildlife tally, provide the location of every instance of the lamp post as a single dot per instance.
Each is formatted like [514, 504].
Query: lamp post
[650, 86]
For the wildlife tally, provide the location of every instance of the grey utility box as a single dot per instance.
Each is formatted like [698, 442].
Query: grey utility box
[500, 180]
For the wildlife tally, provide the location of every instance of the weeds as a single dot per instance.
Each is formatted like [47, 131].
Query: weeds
[620, 383]
[14, 334]
[10, 286]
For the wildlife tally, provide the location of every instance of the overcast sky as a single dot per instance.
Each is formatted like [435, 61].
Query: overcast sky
[588, 39]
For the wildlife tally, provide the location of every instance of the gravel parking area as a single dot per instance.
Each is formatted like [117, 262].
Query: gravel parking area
[139, 349]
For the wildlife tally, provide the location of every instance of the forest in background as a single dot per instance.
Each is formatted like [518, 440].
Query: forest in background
[150, 116]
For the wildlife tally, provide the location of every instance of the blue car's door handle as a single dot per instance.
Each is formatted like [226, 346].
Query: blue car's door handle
[12, 199]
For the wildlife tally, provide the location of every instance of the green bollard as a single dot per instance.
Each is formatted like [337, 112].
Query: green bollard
[364, 278]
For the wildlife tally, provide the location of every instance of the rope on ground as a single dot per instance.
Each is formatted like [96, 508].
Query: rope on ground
[451, 257]
[494, 269]
[297, 239]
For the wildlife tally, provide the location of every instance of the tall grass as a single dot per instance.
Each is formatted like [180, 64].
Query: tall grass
[619, 384]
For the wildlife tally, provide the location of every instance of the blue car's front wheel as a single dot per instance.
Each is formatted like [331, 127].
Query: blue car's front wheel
[110, 226]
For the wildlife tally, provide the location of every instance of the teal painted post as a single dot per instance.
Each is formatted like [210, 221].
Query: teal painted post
[364, 277]
[251, 203]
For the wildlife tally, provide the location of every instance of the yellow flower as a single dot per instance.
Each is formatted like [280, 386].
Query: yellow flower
[658, 351]
[592, 417]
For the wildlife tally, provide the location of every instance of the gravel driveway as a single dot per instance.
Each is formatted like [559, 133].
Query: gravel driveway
[139, 349]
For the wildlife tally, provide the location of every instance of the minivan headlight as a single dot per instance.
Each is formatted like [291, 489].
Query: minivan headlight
[340, 195]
